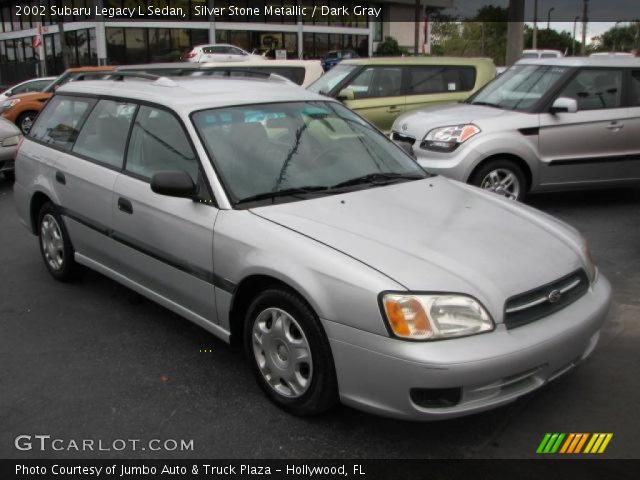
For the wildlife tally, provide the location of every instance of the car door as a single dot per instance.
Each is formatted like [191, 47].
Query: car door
[83, 185]
[592, 144]
[634, 123]
[376, 94]
[427, 85]
[164, 243]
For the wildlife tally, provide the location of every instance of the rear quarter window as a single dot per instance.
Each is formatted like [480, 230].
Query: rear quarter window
[60, 121]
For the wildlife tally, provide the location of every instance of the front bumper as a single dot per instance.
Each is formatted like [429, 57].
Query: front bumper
[377, 373]
[457, 165]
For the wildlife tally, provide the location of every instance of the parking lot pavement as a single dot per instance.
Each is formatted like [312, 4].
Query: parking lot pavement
[93, 360]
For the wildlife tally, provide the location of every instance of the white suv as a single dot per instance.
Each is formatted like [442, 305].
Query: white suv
[220, 52]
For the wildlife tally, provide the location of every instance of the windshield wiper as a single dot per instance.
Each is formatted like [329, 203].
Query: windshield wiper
[379, 178]
[282, 193]
[486, 104]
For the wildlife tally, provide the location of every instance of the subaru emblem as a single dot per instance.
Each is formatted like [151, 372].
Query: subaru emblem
[554, 296]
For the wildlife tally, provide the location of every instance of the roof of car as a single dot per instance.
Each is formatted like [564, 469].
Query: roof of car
[204, 65]
[194, 93]
[416, 61]
[583, 61]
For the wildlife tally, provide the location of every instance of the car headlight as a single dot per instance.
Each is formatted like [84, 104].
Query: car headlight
[447, 139]
[434, 316]
[7, 104]
[11, 141]
[589, 266]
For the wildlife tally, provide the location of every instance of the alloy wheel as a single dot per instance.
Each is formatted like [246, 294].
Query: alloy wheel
[503, 182]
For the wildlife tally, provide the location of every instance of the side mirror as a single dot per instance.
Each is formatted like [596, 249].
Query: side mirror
[564, 105]
[406, 146]
[174, 183]
[9, 93]
[346, 94]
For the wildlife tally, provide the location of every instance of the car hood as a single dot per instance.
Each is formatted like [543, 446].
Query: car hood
[439, 235]
[418, 122]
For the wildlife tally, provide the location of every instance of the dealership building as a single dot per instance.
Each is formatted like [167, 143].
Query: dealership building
[31, 41]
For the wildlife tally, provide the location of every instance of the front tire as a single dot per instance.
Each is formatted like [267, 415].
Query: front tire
[503, 177]
[25, 121]
[55, 244]
[289, 353]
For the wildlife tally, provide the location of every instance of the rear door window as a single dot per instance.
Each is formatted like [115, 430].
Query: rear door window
[104, 135]
[60, 121]
[440, 79]
[595, 89]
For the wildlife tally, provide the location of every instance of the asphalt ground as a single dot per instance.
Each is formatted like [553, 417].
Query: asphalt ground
[93, 360]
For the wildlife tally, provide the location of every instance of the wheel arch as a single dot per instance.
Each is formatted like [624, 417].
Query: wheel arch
[245, 292]
[518, 160]
[37, 200]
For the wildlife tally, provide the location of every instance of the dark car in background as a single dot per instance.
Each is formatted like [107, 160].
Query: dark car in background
[332, 58]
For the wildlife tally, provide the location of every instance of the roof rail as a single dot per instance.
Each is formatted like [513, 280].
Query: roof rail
[157, 79]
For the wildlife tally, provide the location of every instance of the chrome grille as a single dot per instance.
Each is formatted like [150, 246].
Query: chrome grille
[543, 301]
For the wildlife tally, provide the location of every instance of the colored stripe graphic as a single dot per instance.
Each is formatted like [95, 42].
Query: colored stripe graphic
[573, 443]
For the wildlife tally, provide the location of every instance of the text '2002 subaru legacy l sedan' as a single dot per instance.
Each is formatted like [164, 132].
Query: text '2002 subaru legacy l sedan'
[282, 219]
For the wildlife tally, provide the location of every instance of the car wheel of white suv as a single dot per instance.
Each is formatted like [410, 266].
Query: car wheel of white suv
[502, 177]
[289, 353]
[55, 245]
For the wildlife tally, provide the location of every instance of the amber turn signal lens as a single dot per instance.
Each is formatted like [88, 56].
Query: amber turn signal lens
[407, 318]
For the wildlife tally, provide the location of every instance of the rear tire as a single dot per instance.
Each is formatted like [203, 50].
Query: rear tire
[55, 244]
[25, 121]
[503, 177]
[289, 353]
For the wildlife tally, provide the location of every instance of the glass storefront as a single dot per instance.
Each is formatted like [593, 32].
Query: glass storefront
[150, 45]
[261, 42]
[316, 45]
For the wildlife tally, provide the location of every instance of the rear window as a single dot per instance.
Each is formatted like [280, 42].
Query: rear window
[60, 121]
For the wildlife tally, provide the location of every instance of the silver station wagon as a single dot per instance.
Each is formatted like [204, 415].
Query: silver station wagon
[279, 219]
[549, 124]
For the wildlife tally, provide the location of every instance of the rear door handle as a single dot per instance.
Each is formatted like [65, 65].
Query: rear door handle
[125, 206]
[615, 126]
[60, 178]
[393, 108]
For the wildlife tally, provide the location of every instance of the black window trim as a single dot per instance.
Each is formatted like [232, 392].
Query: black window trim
[208, 199]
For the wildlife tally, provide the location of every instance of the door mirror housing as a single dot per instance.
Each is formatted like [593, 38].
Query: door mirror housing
[174, 183]
[346, 94]
[564, 105]
[9, 93]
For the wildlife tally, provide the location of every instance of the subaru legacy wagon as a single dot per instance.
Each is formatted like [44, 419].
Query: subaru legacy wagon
[277, 218]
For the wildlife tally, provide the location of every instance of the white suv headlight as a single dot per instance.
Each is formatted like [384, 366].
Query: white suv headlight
[434, 316]
[447, 139]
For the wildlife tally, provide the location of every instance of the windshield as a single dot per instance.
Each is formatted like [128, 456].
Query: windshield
[313, 146]
[333, 77]
[520, 87]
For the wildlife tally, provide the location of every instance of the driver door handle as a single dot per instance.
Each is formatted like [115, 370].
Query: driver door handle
[125, 206]
[615, 126]
[393, 108]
